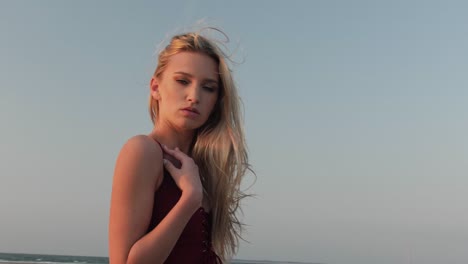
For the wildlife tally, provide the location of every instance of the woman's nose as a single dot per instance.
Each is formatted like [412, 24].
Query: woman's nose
[194, 94]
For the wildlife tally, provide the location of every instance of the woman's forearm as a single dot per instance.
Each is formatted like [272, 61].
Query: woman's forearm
[156, 246]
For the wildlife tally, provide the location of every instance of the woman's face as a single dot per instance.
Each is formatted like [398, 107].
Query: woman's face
[187, 90]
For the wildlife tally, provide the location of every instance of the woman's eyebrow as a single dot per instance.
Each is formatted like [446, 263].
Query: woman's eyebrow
[191, 76]
[183, 73]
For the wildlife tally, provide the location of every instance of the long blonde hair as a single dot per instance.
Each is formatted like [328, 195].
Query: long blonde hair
[219, 148]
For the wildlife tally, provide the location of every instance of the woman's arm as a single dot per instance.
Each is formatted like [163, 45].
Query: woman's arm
[138, 171]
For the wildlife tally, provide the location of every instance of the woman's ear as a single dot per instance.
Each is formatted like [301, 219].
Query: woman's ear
[154, 88]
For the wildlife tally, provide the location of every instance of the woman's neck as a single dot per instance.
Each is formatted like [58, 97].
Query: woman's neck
[173, 138]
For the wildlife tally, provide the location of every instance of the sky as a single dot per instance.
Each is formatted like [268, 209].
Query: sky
[355, 116]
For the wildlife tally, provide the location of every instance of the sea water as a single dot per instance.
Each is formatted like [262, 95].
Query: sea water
[52, 259]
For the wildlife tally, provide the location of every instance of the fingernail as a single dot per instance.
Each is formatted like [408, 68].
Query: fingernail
[165, 161]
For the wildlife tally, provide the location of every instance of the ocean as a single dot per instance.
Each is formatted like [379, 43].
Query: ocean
[52, 259]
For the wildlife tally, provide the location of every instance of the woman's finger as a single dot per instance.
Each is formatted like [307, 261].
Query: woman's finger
[176, 153]
[169, 166]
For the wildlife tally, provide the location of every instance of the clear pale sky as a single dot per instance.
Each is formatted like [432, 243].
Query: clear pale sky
[356, 119]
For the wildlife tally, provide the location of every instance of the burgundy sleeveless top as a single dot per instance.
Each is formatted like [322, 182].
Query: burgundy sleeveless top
[194, 244]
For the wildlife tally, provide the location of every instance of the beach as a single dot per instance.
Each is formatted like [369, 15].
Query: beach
[16, 262]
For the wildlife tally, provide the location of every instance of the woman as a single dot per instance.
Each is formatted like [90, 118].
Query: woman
[176, 191]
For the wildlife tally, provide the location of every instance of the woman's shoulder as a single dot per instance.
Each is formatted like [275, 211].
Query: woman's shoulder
[142, 151]
[143, 144]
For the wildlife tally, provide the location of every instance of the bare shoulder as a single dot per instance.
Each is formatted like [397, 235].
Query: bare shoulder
[143, 145]
[140, 157]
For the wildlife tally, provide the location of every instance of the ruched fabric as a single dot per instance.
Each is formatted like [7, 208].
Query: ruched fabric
[194, 244]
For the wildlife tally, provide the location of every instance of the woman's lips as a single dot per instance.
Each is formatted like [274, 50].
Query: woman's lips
[190, 112]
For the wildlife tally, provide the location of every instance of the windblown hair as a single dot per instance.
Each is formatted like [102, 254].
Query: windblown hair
[219, 147]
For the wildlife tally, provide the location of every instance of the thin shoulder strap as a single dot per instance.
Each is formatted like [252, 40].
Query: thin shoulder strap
[155, 140]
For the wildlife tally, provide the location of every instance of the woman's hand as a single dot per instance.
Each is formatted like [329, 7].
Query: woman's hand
[187, 176]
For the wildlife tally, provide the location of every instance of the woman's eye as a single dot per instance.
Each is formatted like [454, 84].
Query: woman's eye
[209, 89]
[182, 81]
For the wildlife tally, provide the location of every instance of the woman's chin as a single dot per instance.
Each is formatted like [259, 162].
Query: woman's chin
[189, 125]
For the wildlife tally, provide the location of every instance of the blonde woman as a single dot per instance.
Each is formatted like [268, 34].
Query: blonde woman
[176, 191]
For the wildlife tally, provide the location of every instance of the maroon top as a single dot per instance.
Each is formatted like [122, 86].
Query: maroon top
[194, 244]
